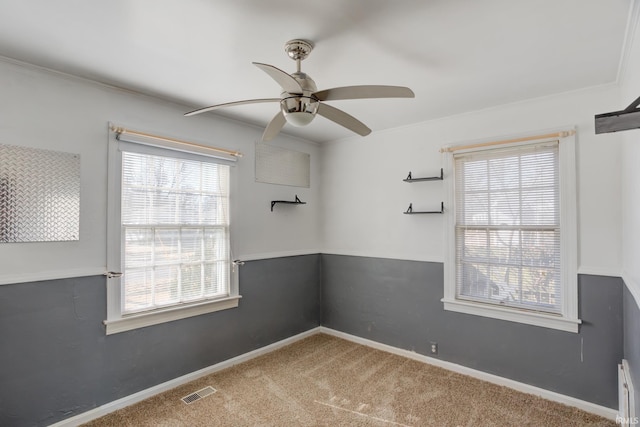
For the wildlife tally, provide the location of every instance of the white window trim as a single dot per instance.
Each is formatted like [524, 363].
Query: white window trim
[140, 320]
[116, 321]
[568, 320]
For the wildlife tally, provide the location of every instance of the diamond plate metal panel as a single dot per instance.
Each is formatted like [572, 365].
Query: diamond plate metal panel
[39, 195]
[275, 165]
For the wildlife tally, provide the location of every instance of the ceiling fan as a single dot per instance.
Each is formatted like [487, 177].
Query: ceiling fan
[300, 99]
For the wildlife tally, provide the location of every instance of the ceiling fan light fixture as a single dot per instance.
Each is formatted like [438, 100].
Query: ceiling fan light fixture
[299, 110]
[300, 99]
[299, 119]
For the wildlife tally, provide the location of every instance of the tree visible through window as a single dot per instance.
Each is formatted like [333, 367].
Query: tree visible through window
[175, 231]
[507, 227]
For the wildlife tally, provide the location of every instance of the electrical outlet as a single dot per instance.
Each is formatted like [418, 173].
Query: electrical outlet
[434, 347]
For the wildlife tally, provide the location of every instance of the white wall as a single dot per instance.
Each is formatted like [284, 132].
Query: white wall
[363, 195]
[46, 110]
[357, 196]
[630, 90]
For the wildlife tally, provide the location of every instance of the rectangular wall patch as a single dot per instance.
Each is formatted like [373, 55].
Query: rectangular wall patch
[39, 195]
[276, 165]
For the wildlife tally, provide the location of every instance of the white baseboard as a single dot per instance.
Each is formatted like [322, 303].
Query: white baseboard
[160, 388]
[105, 409]
[525, 388]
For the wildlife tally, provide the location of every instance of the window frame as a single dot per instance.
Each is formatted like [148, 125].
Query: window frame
[568, 319]
[117, 321]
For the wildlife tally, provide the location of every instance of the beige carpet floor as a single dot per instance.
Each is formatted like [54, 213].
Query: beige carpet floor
[327, 381]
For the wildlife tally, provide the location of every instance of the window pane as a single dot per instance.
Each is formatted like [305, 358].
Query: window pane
[505, 282]
[214, 210]
[134, 206]
[539, 286]
[475, 281]
[539, 207]
[214, 181]
[505, 246]
[475, 208]
[541, 248]
[138, 289]
[189, 210]
[538, 169]
[192, 285]
[190, 176]
[216, 275]
[191, 245]
[475, 176]
[166, 285]
[215, 246]
[138, 247]
[475, 244]
[504, 208]
[166, 246]
[164, 173]
[163, 207]
[503, 173]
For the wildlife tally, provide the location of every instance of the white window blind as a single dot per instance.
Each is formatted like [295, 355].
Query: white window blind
[507, 227]
[175, 231]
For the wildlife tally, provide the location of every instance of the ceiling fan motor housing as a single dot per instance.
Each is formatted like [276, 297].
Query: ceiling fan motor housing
[300, 109]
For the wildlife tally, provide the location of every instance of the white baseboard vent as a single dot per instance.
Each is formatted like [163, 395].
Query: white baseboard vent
[626, 397]
[207, 391]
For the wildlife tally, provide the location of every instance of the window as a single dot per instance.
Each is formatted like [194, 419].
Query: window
[170, 237]
[511, 233]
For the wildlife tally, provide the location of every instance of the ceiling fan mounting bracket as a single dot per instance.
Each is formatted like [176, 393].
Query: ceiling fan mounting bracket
[298, 49]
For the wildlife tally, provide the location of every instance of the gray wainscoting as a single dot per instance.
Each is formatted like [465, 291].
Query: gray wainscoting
[57, 362]
[632, 341]
[397, 302]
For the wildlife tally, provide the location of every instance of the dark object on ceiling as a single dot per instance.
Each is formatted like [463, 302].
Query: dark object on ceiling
[629, 118]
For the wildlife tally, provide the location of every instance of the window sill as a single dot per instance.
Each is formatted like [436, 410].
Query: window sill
[511, 315]
[141, 320]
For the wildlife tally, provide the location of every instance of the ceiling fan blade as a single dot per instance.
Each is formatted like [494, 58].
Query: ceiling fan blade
[230, 104]
[286, 81]
[366, 91]
[343, 119]
[274, 126]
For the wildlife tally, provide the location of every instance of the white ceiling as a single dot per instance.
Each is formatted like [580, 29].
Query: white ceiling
[456, 55]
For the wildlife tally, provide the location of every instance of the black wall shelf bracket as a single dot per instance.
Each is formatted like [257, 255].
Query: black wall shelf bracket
[410, 210]
[289, 202]
[409, 178]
